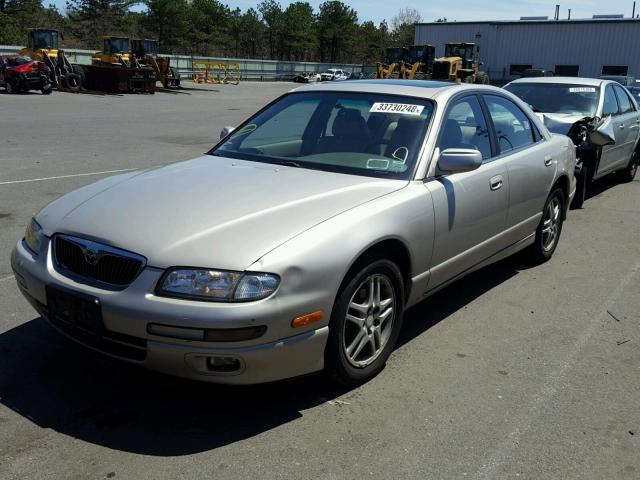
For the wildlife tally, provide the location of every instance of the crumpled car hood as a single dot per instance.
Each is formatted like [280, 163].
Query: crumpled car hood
[210, 212]
[559, 122]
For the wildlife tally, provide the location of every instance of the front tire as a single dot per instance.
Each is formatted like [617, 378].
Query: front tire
[581, 188]
[72, 82]
[10, 87]
[365, 323]
[550, 227]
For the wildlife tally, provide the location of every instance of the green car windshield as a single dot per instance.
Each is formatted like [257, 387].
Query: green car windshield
[559, 98]
[356, 133]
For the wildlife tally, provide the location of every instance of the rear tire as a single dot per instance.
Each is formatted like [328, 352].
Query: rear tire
[365, 322]
[78, 70]
[482, 78]
[628, 174]
[550, 227]
[10, 87]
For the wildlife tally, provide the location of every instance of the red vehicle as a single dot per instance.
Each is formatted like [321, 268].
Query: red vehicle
[20, 74]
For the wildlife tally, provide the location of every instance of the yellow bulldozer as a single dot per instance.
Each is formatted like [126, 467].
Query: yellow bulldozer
[43, 44]
[115, 69]
[393, 64]
[115, 51]
[414, 62]
[419, 62]
[459, 64]
[145, 53]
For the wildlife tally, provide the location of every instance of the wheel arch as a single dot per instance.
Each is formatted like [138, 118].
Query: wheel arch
[563, 183]
[392, 249]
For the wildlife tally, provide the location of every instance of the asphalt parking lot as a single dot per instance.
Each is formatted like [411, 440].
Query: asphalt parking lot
[513, 372]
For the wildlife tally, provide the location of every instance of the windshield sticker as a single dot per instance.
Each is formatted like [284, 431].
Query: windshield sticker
[383, 164]
[582, 90]
[404, 108]
[377, 164]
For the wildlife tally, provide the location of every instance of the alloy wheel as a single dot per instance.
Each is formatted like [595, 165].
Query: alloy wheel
[551, 224]
[369, 320]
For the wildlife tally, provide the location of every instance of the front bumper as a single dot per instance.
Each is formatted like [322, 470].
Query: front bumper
[280, 353]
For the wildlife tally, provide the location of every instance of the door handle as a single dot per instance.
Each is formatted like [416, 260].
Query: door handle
[548, 160]
[496, 182]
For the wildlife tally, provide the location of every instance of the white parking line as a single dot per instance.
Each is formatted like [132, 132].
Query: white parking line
[504, 452]
[11, 182]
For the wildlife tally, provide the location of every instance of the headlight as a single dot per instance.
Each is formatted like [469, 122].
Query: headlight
[201, 284]
[33, 236]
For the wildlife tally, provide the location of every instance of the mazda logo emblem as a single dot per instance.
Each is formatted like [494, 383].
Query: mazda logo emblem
[91, 257]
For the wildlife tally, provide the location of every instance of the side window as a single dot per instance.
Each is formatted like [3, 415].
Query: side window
[465, 127]
[513, 127]
[623, 99]
[610, 103]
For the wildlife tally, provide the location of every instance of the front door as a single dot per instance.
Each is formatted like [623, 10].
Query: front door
[611, 154]
[470, 207]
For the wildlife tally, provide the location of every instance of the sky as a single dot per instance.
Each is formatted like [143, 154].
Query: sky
[378, 10]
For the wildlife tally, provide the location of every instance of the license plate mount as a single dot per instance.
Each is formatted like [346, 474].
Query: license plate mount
[77, 311]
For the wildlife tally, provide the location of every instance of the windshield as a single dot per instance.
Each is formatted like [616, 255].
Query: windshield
[456, 51]
[356, 133]
[150, 47]
[118, 45]
[45, 39]
[395, 54]
[558, 97]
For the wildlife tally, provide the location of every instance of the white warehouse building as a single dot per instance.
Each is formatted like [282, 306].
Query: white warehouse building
[581, 47]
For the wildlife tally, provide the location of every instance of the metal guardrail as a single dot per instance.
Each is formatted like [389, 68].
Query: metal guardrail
[250, 68]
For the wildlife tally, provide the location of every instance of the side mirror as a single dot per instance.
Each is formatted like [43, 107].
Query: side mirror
[603, 134]
[226, 131]
[458, 160]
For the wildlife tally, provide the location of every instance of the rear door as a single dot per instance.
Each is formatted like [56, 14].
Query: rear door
[470, 207]
[626, 125]
[530, 161]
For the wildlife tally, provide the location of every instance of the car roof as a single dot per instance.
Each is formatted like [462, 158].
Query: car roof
[587, 82]
[413, 88]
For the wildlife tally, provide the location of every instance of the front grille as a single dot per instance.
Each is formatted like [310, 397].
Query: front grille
[95, 262]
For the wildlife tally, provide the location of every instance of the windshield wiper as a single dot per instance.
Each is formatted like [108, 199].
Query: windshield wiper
[290, 163]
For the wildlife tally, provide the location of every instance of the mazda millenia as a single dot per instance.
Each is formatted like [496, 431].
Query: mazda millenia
[297, 242]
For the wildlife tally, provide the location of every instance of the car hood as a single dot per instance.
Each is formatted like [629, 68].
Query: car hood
[211, 211]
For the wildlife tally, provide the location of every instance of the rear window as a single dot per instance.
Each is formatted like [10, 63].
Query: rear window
[15, 61]
[558, 98]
